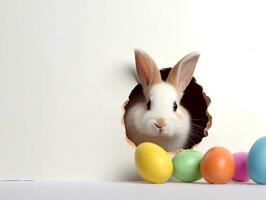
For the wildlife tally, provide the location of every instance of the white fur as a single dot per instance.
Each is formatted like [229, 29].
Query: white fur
[141, 122]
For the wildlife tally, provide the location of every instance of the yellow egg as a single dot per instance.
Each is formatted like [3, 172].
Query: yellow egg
[153, 163]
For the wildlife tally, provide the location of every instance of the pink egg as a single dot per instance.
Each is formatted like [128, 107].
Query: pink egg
[241, 170]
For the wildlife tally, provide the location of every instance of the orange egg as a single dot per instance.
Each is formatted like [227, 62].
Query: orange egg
[217, 165]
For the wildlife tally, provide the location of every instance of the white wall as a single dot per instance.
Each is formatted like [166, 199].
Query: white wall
[66, 68]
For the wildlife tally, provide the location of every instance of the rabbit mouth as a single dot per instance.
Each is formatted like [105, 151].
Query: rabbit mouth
[161, 132]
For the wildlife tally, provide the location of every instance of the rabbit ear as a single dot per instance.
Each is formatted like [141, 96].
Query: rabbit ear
[147, 70]
[181, 74]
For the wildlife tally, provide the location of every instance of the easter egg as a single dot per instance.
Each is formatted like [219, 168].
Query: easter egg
[257, 161]
[153, 163]
[187, 165]
[241, 171]
[217, 165]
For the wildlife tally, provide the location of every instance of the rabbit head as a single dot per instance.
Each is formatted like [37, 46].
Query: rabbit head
[159, 117]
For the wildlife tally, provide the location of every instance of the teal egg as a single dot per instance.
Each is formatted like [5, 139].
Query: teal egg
[187, 165]
[257, 161]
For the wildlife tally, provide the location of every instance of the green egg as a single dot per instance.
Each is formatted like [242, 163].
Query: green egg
[187, 165]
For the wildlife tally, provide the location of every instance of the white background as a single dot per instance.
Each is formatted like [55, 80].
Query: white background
[66, 67]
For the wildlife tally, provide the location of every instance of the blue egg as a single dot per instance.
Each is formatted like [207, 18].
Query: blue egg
[257, 161]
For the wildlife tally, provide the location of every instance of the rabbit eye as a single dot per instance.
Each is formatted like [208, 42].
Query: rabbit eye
[175, 106]
[149, 105]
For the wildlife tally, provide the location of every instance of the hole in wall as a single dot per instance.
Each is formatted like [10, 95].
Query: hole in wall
[195, 102]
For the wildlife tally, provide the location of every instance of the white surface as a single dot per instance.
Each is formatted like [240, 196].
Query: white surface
[66, 67]
[127, 190]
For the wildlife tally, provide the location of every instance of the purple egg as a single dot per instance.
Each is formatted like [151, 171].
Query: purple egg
[241, 169]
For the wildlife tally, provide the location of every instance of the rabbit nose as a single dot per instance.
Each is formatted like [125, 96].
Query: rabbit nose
[160, 123]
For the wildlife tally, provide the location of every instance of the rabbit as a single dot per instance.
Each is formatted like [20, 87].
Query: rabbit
[156, 114]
